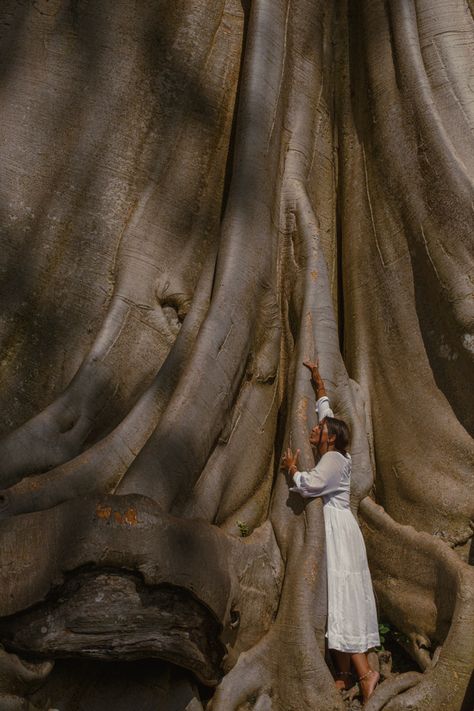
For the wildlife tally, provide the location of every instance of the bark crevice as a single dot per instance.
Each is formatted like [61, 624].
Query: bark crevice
[252, 185]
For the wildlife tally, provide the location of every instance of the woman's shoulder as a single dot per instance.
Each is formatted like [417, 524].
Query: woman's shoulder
[335, 452]
[336, 458]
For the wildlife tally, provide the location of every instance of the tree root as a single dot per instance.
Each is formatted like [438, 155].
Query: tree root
[265, 679]
[440, 608]
[18, 678]
[100, 468]
[18, 703]
[394, 685]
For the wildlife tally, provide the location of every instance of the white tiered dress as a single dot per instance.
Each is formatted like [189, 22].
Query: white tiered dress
[352, 615]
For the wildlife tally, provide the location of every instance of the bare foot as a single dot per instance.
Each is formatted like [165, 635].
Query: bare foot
[368, 683]
[344, 681]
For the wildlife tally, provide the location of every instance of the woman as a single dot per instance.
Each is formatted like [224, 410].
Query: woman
[352, 626]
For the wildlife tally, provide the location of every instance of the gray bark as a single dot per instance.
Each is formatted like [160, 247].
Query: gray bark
[195, 198]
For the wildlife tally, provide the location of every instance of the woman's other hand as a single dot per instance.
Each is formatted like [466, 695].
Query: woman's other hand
[290, 461]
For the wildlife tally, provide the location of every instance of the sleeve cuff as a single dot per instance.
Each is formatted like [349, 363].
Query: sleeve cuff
[297, 478]
[323, 408]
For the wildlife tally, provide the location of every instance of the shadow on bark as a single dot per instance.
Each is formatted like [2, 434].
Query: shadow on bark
[190, 253]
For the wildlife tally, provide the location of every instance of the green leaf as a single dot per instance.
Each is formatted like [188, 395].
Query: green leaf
[243, 528]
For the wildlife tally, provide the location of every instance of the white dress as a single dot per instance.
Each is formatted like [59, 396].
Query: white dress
[352, 615]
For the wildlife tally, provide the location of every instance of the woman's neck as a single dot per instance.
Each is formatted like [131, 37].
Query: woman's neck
[329, 448]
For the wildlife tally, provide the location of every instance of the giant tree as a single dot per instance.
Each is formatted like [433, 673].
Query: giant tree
[196, 196]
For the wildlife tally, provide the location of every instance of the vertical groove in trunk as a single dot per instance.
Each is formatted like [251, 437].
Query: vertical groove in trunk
[197, 197]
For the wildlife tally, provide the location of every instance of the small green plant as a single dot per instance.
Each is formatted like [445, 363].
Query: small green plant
[243, 528]
[384, 629]
[395, 644]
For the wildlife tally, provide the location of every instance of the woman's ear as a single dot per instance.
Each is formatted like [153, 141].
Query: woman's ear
[331, 438]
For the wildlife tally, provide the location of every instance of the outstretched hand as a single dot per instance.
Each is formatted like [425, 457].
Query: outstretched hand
[316, 379]
[289, 460]
[313, 368]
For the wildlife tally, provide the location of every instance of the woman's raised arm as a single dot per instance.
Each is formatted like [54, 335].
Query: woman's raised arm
[316, 380]
[323, 407]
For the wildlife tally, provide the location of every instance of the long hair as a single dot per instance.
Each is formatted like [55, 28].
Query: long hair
[341, 430]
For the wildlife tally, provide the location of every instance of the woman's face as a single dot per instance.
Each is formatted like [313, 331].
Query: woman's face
[319, 435]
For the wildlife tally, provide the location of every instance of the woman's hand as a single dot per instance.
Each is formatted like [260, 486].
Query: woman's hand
[290, 461]
[314, 369]
[316, 379]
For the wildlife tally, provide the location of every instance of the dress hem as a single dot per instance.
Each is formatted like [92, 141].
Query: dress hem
[355, 647]
[347, 650]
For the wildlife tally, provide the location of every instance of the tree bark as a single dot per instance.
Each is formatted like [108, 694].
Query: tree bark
[196, 198]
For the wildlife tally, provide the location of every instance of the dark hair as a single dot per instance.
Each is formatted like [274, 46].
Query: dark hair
[341, 430]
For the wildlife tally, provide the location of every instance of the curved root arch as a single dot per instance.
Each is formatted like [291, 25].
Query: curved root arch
[341, 213]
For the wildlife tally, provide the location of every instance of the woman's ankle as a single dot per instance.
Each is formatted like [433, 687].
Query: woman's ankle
[344, 680]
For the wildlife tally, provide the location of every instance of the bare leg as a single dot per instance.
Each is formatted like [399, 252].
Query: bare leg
[367, 677]
[342, 662]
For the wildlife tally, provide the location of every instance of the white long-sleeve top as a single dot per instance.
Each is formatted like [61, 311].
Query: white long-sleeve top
[331, 476]
[323, 408]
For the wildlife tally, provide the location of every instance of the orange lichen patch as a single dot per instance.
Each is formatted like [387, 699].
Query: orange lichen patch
[103, 511]
[301, 410]
[314, 275]
[130, 517]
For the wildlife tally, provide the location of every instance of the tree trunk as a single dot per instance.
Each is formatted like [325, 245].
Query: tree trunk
[198, 196]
